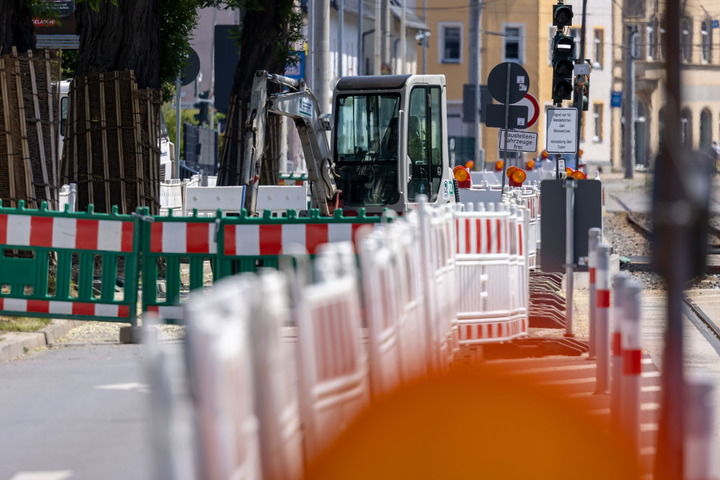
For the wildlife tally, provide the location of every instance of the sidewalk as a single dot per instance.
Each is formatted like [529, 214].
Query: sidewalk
[16, 344]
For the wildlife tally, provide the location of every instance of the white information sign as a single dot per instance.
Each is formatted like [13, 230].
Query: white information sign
[561, 133]
[518, 141]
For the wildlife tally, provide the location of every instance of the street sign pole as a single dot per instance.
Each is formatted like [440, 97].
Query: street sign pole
[507, 121]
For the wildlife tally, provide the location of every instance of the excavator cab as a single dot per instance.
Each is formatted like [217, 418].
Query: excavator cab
[390, 142]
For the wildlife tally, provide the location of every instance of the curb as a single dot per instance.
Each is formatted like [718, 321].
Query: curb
[17, 344]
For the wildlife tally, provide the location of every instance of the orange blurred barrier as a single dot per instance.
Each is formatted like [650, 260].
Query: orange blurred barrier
[473, 424]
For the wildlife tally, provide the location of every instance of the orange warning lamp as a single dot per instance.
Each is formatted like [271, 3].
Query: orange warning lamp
[530, 164]
[499, 165]
[545, 155]
[517, 176]
[569, 172]
[462, 175]
[469, 164]
[579, 175]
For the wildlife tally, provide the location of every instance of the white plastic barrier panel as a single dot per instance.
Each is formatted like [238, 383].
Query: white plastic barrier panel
[219, 365]
[404, 238]
[207, 200]
[278, 199]
[274, 376]
[379, 281]
[171, 197]
[333, 366]
[437, 240]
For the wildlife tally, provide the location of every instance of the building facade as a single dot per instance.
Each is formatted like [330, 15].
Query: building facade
[521, 31]
[643, 35]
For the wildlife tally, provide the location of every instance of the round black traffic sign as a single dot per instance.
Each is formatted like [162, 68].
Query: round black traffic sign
[508, 81]
[191, 69]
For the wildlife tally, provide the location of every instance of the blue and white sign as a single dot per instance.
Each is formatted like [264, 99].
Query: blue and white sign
[296, 71]
[616, 99]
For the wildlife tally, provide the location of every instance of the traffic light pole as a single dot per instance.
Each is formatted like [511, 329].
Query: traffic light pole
[579, 98]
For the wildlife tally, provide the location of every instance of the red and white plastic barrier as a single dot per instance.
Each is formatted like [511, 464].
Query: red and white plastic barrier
[632, 363]
[334, 369]
[491, 272]
[602, 318]
[618, 314]
[60, 232]
[220, 368]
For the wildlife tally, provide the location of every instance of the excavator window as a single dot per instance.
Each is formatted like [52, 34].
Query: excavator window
[424, 143]
[366, 146]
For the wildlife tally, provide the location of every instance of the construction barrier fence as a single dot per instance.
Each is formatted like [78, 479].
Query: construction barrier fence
[81, 266]
[476, 256]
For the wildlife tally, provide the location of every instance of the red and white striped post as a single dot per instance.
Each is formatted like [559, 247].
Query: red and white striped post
[632, 363]
[594, 237]
[699, 436]
[602, 330]
[619, 283]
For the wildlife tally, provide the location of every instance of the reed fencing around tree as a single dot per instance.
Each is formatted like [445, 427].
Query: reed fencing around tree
[29, 128]
[112, 149]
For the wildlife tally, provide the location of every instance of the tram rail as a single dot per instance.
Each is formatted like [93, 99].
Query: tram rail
[642, 227]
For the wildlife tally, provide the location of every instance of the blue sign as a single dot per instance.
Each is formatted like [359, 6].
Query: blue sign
[296, 70]
[716, 24]
[616, 99]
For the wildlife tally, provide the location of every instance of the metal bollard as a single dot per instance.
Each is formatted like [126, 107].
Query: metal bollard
[699, 437]
[632, 363]
[602, 330]
[619, 284]
[594, 237]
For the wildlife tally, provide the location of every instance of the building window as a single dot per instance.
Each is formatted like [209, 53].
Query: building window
[635, 44]
[514, 44]
[651, 42]
[705, 129]
[450, 42]
[706, 41]
[598, 48]
[661, 40]
[686, 128]
[685, 41]
[597, 122]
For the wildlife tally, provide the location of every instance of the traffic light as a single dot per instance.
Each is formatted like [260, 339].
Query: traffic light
[562, 15]
[582, 92]
[203, 115]
[563, 60]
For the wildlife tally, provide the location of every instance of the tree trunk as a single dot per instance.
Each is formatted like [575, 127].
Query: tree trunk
[263, 40]
[122, 37]
[16, 27]
[115, 115]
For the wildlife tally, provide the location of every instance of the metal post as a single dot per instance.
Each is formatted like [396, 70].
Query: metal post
[425, 37]
[569, 254]
[341, 36]
[505, 130]
[628, 102]
[618, 316]
[176, 167]
[594, 238]
[475, 75]
[360, 38]
[377, 39]
[72, 198]
[602, 331]
[321, 61]
[700, 439]
[403, 39]
[632, 364]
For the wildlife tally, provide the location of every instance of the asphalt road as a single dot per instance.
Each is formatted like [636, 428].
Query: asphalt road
[75, 412]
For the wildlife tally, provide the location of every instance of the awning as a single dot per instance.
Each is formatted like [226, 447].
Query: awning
[411, 20]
